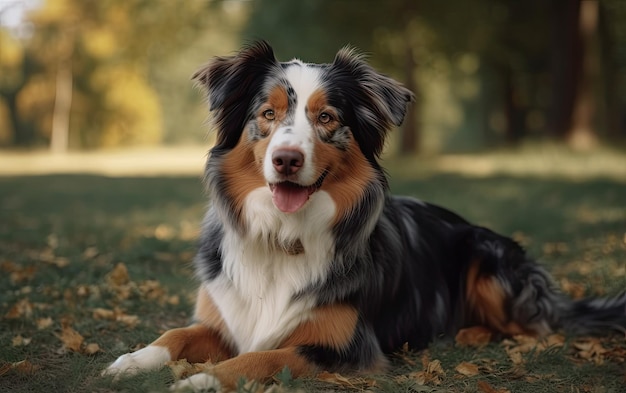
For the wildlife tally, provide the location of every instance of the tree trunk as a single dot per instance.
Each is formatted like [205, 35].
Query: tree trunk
[514, 117]
[410, 140]
[62, 107]
[14, 119]
[582, 133]
[410, 132]
[566, 64]
[59, 139]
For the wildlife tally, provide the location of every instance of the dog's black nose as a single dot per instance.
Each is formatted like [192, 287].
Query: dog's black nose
[287, 161]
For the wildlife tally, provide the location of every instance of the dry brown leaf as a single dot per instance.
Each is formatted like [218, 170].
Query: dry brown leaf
[335, 378]
[19, 274]
[5, 367]
[522, 344]
[103, 313]
[476, 336]
[44, 323]
[71, 339]
[152, 290]
[91, 349]
[26, 289]
[9, 266]
[48, 256]
[486, 388]
[575, 290]
[82, 291]
[591, 349]
[350, 382]
[115, 315]
[118, 276]
[128, 320]
[183, 369]
[90, 253]
[554, 340]
[19, 341]
[467, 369]
[516, 357]
[22, 367]
[433, 374]
[404, 355]
[21, 309]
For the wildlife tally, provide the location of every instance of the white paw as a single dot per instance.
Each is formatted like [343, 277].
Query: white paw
[198, 383]
[149, 358]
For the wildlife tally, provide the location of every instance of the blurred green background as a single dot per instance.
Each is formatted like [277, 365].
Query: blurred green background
[92, 74]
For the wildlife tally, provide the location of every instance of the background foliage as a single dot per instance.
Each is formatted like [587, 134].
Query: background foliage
[87, 73]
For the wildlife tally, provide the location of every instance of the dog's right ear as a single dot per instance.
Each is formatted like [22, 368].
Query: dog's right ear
[231, 83]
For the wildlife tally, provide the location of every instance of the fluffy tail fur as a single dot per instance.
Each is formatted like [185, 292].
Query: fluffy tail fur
[513, 294]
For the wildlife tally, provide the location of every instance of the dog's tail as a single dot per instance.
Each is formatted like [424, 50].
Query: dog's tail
[595, 315]
[511, 293]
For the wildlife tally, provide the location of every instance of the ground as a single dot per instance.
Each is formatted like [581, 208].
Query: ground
[94, 265]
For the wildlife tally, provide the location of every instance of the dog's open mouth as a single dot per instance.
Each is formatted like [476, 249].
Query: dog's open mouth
[289, 197]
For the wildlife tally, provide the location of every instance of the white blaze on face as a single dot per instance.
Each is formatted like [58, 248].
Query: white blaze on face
[296, 134]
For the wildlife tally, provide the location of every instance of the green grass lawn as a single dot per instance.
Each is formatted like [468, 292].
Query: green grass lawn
[68, 307]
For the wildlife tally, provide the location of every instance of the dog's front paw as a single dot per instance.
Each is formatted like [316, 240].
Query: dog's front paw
[151, 357]
[202, 382]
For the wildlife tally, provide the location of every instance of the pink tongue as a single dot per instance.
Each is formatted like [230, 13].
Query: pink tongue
[288, 198]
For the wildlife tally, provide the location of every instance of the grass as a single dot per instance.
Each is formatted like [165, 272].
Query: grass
[62, 237]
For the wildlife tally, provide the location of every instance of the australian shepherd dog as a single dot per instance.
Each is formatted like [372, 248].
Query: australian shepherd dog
[306, 261]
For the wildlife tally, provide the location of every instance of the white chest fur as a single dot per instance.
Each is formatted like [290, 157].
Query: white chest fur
[255, 292]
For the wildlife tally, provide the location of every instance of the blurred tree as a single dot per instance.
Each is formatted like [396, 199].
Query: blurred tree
[92, 84]
[16, 68]
[104, 73]
[511, 69]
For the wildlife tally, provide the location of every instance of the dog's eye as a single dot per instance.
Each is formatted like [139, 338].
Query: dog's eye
[324, 118]
[269, 114]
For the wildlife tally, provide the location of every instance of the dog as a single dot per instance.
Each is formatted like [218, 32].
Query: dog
[306, 261]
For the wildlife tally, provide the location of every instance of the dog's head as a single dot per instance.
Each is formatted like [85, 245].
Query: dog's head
[298, 128]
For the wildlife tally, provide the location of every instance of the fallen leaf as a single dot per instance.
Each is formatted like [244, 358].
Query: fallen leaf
[21, 309]
[48, 256]
[351, 382]
[476, 336]
[44, 323]
[516, 357]
[22, 367]
[5, 367]
[71, 339]
[20, 274]
[575, 290]
[433, 374]
[115, 315]
[90, 253]
[183, 369]
[152, 290]
[118, 276]
[19, 341]
[82, 291]
[591, 349]
[103, 313]
[521, 344]
[335, 378]
[467, 369]
[91, 349]
[486, 388]
[128, 320]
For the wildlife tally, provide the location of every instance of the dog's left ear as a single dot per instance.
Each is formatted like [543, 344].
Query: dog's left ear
[379, 101]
